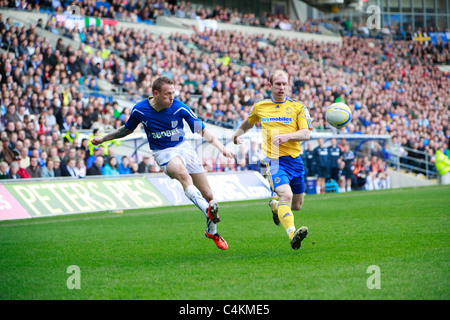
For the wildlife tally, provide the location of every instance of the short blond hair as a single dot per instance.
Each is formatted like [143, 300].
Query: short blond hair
[276, 72]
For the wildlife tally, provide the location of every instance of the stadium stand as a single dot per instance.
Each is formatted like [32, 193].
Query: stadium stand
[55, 77]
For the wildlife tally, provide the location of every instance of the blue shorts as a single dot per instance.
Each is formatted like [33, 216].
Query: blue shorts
[286, 170]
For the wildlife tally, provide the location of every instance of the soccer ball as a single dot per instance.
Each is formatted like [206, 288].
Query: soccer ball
[339, 115]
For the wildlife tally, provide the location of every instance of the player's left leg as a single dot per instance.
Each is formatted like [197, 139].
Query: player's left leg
[284, 211]
[297, 201]
[178, 163]
[176, 169]
[287, 217]
[201, 182]
[298, 189]
[198, 175]
[276, 177]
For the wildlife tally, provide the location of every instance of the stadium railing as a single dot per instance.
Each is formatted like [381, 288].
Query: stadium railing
[420, 163]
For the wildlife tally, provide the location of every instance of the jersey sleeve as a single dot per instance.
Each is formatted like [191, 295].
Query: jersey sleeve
[253, 116]
[304, 119]
[133, 120]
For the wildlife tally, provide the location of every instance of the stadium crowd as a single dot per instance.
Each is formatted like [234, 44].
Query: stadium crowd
[394, 87]
[147, 12]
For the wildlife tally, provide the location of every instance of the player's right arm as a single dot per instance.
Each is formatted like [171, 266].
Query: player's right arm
[243, 128]
[247, 124]
[119, 133]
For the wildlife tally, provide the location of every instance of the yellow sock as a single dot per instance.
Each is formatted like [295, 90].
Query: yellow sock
[286, 218]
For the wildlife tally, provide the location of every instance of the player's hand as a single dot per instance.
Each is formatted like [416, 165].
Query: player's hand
[228, 153]
[280, 139]
[236, 140]
[97, 140]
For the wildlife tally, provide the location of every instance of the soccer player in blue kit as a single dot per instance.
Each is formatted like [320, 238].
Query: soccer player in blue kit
[162, 117]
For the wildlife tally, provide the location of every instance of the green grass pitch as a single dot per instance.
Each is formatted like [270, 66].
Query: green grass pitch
[162, 253]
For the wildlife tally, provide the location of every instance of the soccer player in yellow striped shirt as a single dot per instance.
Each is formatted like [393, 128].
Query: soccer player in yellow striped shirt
[285, 122]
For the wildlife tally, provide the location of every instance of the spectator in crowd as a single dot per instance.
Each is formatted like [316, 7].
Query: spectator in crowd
[309, 160]
[359, 174]
[13, 171]
[72, 136]
[134, 168]
[124, 166]
[57, 166]
[4, 170]
[322, 161]
[22, 172]
[11, 115]
[383, 175]
[96, 168]
[33, 169]
[47, 171]
[43, 127]
[24, 158]
[335, 158]
[70, 168]
[371, 169]
[6, 154]
[348, 158]
[111, 168]
[91, 159]
[80, 169]
[144, 165]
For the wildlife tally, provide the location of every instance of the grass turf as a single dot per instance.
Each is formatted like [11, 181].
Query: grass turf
[162, 254]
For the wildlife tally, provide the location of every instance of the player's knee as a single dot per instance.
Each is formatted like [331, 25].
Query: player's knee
[285, 196]
[296, 206]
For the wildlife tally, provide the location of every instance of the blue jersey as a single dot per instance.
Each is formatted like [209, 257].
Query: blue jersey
[322, 156]
[165, 128]
[335, 153]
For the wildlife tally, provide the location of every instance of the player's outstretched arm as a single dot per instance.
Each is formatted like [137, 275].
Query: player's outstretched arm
[209, 137]
[243, 128]
[119, 133]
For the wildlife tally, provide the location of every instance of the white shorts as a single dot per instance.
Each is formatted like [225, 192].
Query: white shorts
[185, 152]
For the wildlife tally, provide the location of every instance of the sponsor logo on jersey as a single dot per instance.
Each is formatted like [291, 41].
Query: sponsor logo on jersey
[165, 134]
[284, 120]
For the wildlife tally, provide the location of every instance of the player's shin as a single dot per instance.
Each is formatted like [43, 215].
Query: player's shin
[197, 198]
[286, 218]
[193, 194]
